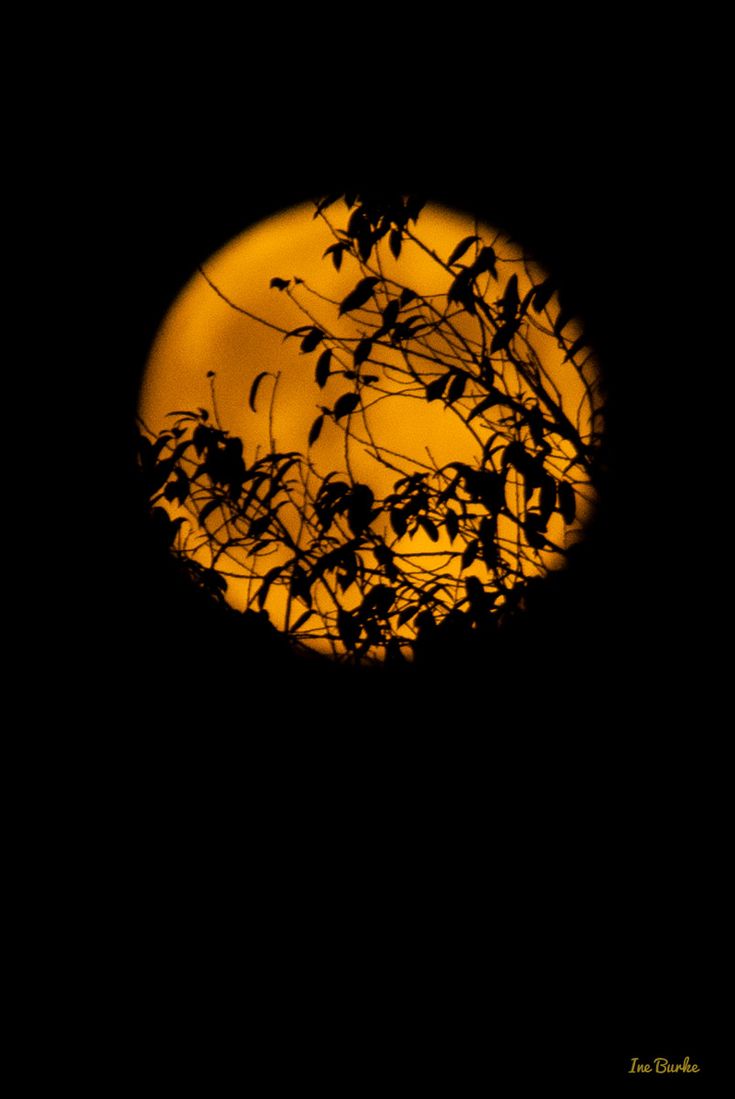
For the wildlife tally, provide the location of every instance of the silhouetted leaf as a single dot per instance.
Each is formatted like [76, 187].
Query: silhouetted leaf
[503, 337]
[470, 554]
[526, 302]
[207, 510]
[312, 339]
[322, 368]
[457, 387]
[435, 389]
[542, 295]
[300, 331]
[363, 351]
[459, 285]
[290, 458]
[323, 203]
[316, 429]
[567, 501]
[429, 527]
[390, 314]
[460, 250]
[199, 438]
[301, 585]
[485, 261]
[484, 405]
[461, 291]
[268, 579]
[254, 388]
[358, 221]
[407, 296]
[398, 521]
[345, 404]
[395, 242]
[359, 296]
[510, 300]
[331, 498]
[360, 508]
[451, 521]
[280, 284]
[335, 251]
[365, 245]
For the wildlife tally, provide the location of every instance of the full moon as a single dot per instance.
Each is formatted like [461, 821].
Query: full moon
[263, 342]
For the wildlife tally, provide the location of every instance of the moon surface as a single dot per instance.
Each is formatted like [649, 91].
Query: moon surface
[227, 327]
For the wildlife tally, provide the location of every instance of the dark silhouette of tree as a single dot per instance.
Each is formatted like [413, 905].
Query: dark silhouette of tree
[341, 557]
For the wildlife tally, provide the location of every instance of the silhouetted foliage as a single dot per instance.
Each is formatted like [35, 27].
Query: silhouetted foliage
[340, 557]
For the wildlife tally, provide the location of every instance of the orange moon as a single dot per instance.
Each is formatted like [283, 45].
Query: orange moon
[230, 321]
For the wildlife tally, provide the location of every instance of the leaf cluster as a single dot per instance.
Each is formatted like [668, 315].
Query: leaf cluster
[341, 556]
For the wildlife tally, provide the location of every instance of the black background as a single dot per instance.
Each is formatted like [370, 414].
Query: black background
[483, 870]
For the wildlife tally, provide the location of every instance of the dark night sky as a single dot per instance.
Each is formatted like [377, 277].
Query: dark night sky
[622, 809]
